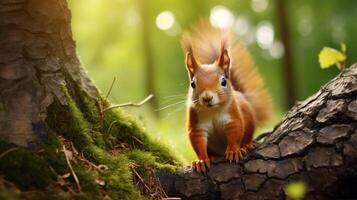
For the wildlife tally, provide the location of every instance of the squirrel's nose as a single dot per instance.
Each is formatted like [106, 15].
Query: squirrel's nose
[207, 99]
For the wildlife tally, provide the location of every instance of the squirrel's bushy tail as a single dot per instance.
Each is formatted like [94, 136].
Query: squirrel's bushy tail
[206, 42]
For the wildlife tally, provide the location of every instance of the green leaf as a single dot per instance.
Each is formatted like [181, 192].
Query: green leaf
[295, 190]
[329, 56]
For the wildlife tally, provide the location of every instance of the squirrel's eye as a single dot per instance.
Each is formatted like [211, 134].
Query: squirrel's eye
[193, 84]
[224, 82]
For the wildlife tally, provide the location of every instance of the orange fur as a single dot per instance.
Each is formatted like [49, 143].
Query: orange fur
[206, 42]
[228, 119]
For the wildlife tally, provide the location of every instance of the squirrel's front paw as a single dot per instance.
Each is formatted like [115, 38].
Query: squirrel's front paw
[234, 153]
[201, 165]
[248, 147]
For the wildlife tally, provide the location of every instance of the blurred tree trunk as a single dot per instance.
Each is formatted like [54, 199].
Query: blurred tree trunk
[146, 20]
[38, 64]
[316, 142]
[288, 64]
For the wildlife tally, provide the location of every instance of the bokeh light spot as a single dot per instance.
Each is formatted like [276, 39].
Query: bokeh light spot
[165, 20]
[265, 34]
[241, 26]
[277, 50]
[221, 17]
[259, 5]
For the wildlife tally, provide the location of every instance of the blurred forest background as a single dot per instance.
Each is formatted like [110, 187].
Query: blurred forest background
[138, 42]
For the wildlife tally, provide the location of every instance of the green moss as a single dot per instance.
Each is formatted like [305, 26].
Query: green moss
[118, 178]
[94, 135]
[52, 152]
[67, 120]
[21, 166]
[146, 160]
[127, 130]
[87, 181]
[7, 196]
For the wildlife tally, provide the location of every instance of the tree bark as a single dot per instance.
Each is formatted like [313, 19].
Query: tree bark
[37, 61]
[288, 63]
[315, 142]
[47, 97]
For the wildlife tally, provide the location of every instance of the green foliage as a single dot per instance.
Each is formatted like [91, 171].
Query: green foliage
[295, 190]
[329, 57]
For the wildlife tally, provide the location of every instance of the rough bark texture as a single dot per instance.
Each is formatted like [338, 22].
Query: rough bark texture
[315, 142]
[37, 60]
[46, 96]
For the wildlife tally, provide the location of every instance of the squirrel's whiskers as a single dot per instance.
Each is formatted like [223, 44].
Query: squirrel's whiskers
[227, 96]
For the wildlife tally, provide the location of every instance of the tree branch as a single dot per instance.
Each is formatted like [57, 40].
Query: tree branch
[130, 103]
[316, 142]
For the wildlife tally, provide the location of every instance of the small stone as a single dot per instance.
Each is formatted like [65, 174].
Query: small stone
[333, 109]
[269, 151]
[253, 182]
[331, 134]
[295, 143]
[323, 157]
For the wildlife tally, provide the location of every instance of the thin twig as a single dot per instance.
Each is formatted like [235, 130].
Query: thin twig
[8, 151]
[111, 126]
[139, 177]
[72, 171]
[135, 138]
[111, 87]
[130, 104]
[159, 186]
[82, 158]
[100, 108]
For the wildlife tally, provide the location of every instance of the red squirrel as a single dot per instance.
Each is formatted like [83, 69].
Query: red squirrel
[227, 97]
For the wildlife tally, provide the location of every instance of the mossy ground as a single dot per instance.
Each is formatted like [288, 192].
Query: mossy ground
[113, 140]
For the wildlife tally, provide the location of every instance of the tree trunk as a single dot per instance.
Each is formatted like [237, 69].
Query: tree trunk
[38, 62]
[149, 61]
[315, 143]
[48, 103]
[288, 63]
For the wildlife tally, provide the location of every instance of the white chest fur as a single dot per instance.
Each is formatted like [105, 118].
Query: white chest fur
[214, 121]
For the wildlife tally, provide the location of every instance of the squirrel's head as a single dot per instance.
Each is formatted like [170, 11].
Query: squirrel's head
[210, 85]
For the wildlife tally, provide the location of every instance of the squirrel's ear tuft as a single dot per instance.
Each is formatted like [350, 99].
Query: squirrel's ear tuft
[191, 64]
[224, 61]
